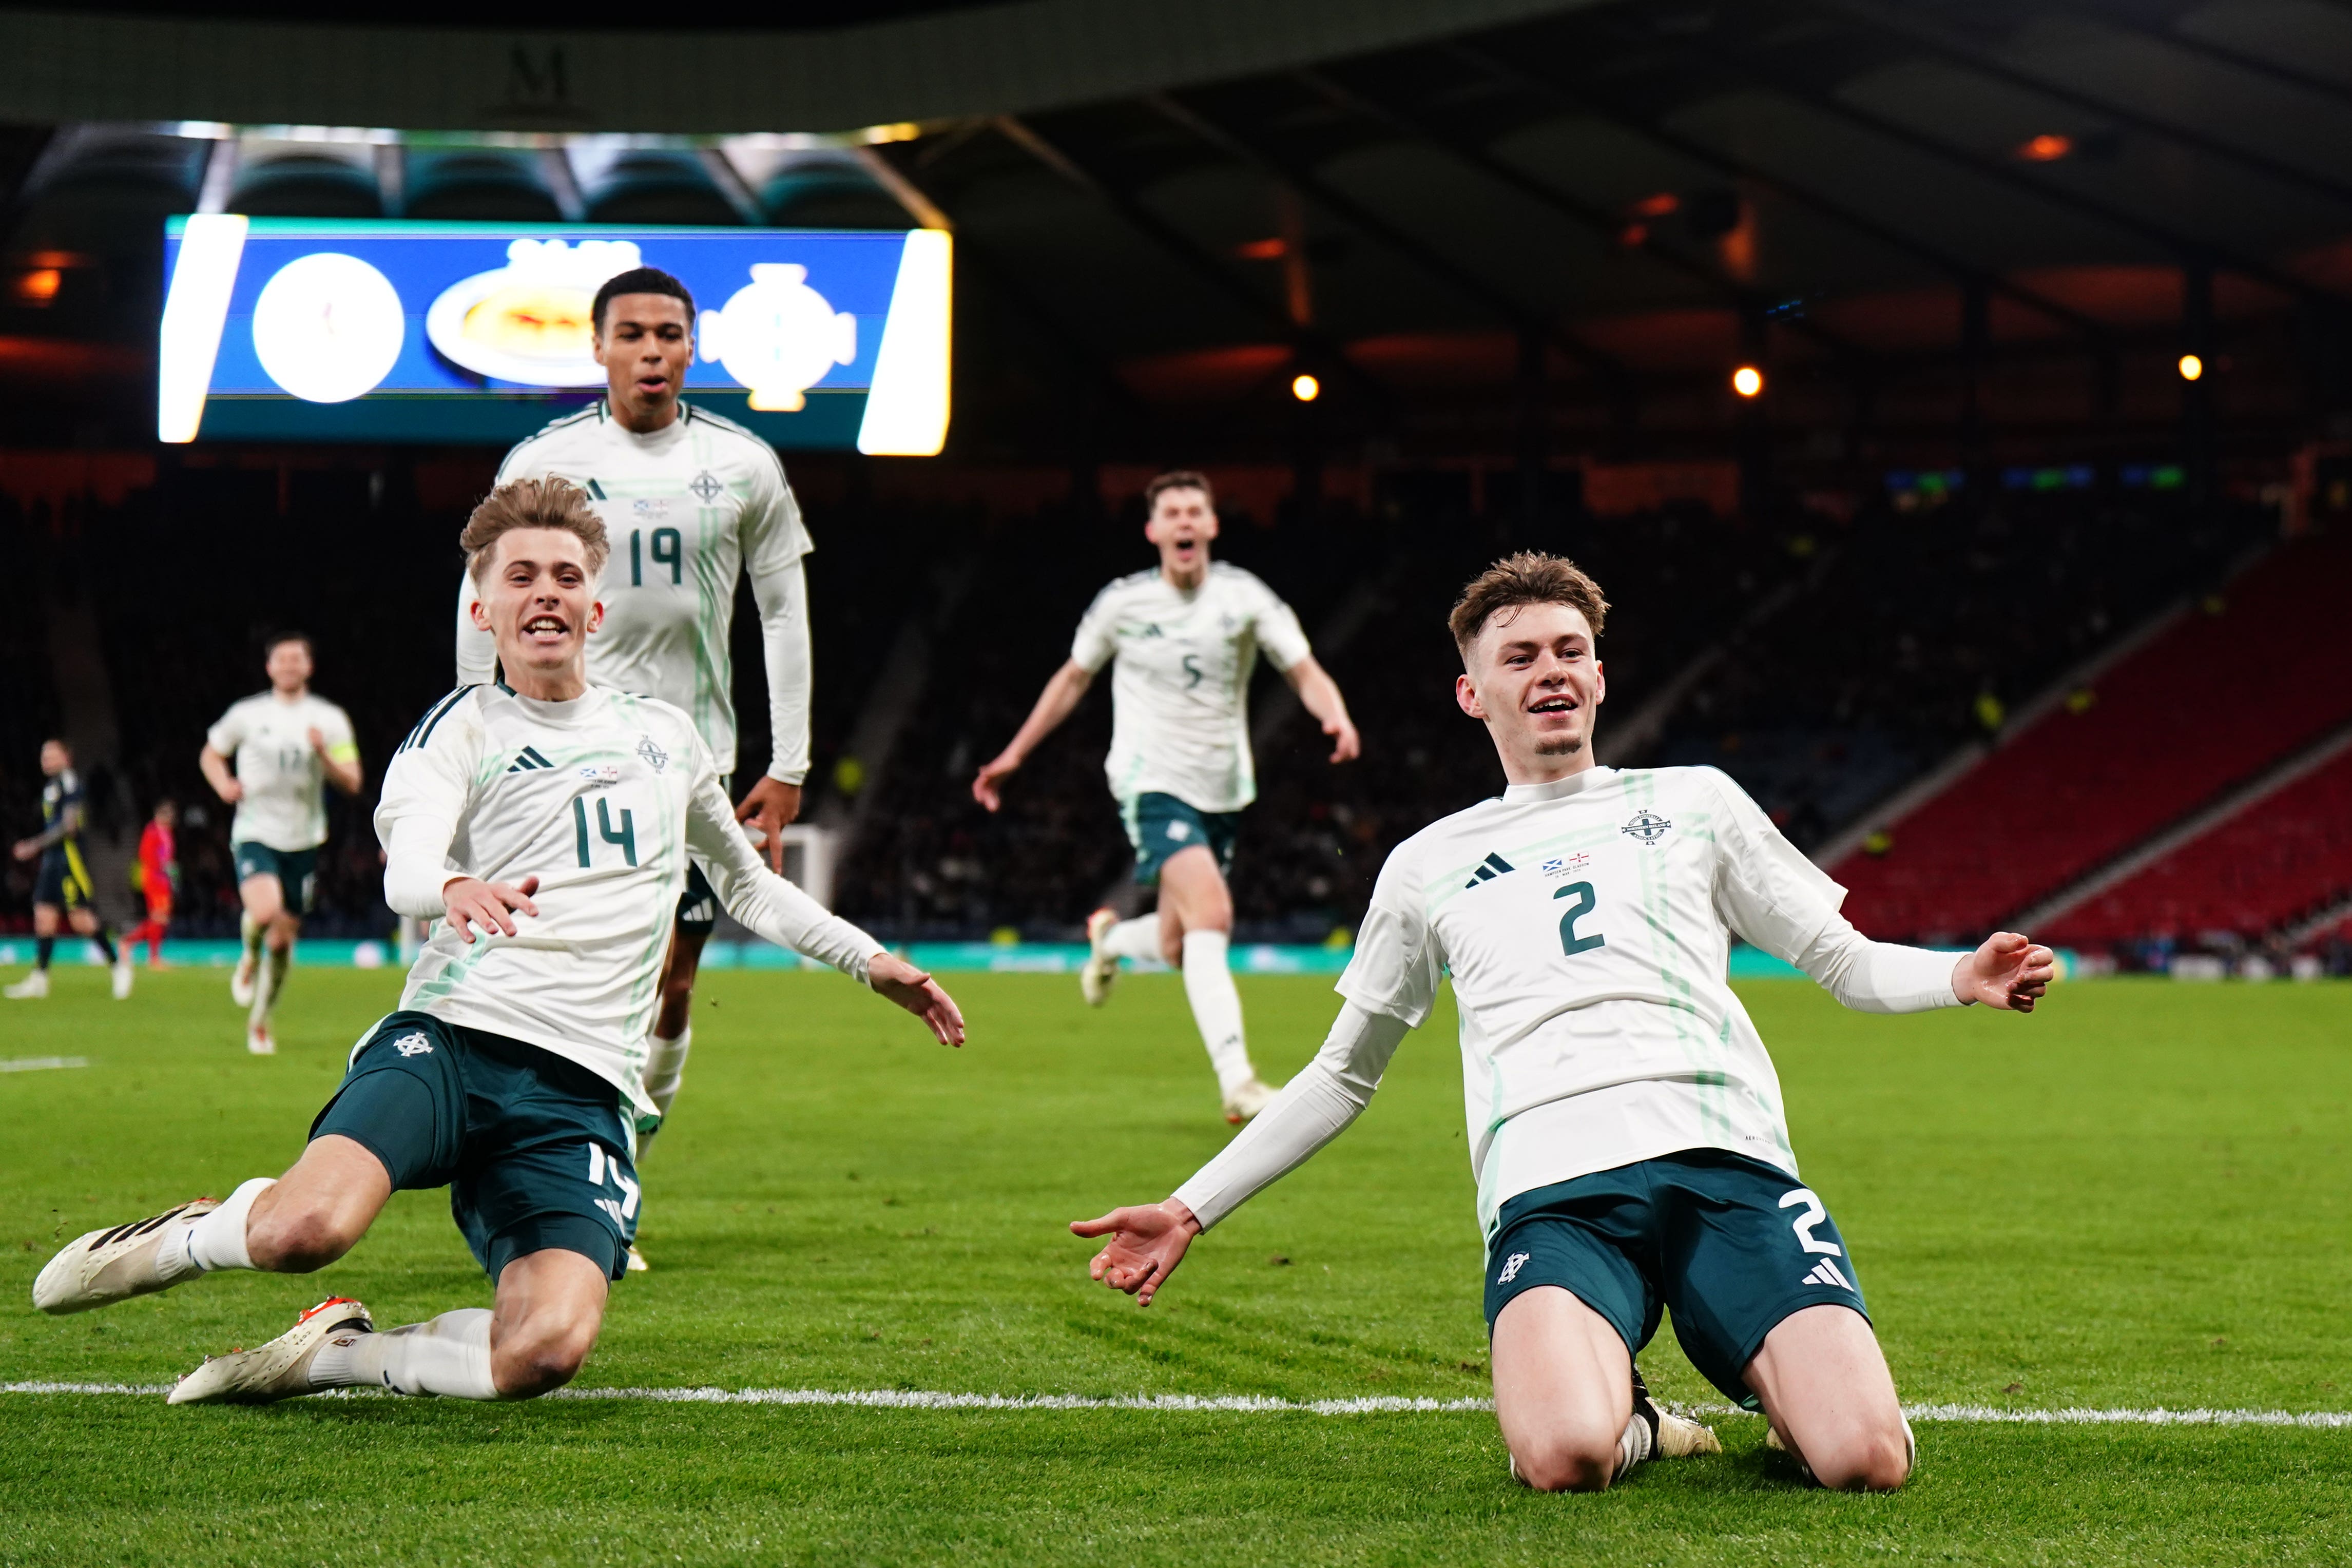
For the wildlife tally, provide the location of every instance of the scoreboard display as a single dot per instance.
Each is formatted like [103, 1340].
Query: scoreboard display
[300, 328]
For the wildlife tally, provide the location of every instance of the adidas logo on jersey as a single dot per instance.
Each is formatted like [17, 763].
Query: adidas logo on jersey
[529, 760]
[1493, 866]
[1826, 1273]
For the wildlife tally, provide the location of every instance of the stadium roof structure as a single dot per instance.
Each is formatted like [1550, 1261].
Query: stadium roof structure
[1944, 231]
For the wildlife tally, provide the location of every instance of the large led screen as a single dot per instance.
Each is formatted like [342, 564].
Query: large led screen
[297, 329]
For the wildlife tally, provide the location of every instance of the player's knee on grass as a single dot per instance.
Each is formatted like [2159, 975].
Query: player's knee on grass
[298, 1235]
[1867, 1457]
[540, 1358]
[1566, 1458]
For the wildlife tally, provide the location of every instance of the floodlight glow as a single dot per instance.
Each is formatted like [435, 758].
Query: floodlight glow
[1305, 388]
[2191, 367]
[907, 412]
[1747, 381]
[193, 313]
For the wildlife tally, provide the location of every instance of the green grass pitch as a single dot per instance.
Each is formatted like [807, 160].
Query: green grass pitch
[2136, 1198]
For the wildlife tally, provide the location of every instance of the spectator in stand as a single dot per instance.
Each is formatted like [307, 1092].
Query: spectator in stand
[157, 875]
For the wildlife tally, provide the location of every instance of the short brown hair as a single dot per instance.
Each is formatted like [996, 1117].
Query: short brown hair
[533, 504]
[1179, 479]
[1530, 577]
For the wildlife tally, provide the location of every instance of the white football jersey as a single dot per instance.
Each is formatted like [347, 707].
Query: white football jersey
[601, 798]
[1180, 695]
[1587, 924]
[688, 509]
[285, 781]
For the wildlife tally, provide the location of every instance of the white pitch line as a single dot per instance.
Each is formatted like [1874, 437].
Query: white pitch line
[42, 1063]
[1261, 1405]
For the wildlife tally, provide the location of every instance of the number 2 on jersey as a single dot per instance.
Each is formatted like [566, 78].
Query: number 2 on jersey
[1570, 942]
[625, 835]
[669, 550]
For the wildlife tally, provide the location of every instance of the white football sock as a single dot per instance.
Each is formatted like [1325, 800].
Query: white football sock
[249, 931]
[267, 981]
[1634, 1445]
[217, 1240]
[665, 1067]
[449, 1355]
[1216, 1007]
[1135, 938]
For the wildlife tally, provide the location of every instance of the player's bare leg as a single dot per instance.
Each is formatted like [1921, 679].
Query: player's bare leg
[1196, 924]
[673, 1036]
[270, 931]
[1569, 1401]
[262, 900]
[1823, 1381]
[551, 1307]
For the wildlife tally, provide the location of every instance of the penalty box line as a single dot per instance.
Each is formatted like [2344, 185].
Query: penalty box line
[1256, 1404]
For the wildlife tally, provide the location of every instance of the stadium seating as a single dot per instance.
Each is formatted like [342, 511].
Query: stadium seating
[2277, 860]
[2241, 682]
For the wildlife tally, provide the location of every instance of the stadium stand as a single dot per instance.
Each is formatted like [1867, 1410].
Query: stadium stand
[2268, 864]
[2238, 682]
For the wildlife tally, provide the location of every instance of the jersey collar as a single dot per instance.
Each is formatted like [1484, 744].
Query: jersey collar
[1558, 789]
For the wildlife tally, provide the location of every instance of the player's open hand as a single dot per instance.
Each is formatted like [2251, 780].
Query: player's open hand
[771, 807]
[1146, 1244]
[472, 901]
[984, 788]
[2009, 971]
[1346, 743]
[917, 992]
[231, 789]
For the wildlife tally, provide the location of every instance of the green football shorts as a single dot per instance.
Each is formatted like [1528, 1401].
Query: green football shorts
[1729, 1245]
[1158, 826]
[534, 1149]
[297, 871]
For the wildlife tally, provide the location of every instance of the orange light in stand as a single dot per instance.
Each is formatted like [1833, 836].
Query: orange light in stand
[2191, 367]
[1305, 388]
[2047, 148]
[39, 286]
[1747, 381]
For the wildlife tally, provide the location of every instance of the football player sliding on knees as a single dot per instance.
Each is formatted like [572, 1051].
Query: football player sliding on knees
[1626, 1134]
[544, 824]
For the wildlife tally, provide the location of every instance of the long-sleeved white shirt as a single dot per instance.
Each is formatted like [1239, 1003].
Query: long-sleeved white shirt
[601, 798]
[688, 508]
[1587, 926]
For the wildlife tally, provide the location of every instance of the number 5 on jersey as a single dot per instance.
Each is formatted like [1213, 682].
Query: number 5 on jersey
[1570, 942]
[625, 835]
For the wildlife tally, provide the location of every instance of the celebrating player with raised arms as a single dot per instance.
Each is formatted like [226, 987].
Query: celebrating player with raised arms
[546, 824]
[692, 502]
[286, 745]
[1186, 636]
[1625, 1124]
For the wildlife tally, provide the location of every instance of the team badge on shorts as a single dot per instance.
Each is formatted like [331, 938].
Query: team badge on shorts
[1511, 1267]
[412, 1044]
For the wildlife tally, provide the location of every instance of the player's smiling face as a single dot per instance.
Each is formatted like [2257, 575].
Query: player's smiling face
[538, 600]
[1535, 681]
[1182, 523]
[645, 343]
[288, 666]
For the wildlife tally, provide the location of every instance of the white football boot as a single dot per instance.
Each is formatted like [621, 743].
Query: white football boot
[31, 988]
[1671, 1436]
[241, 979]
[123, 973]
[279, 1370]
[258, 1040]
[637, 1264]
[1246, 1098]
[114, 1265]
[1096, 975]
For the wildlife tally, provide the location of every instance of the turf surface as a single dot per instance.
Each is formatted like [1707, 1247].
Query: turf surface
[2135, 1198]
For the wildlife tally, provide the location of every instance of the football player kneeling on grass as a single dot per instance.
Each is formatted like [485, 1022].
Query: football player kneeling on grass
[545, 823]
[1624, 1120]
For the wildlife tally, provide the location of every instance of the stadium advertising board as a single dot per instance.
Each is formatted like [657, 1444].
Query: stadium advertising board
[301, 329]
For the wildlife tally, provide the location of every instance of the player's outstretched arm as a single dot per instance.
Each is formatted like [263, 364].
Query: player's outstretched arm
[2009, 971]
[1054, 703]
[899, 981]
[1145, 1246]
[1319, 694]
